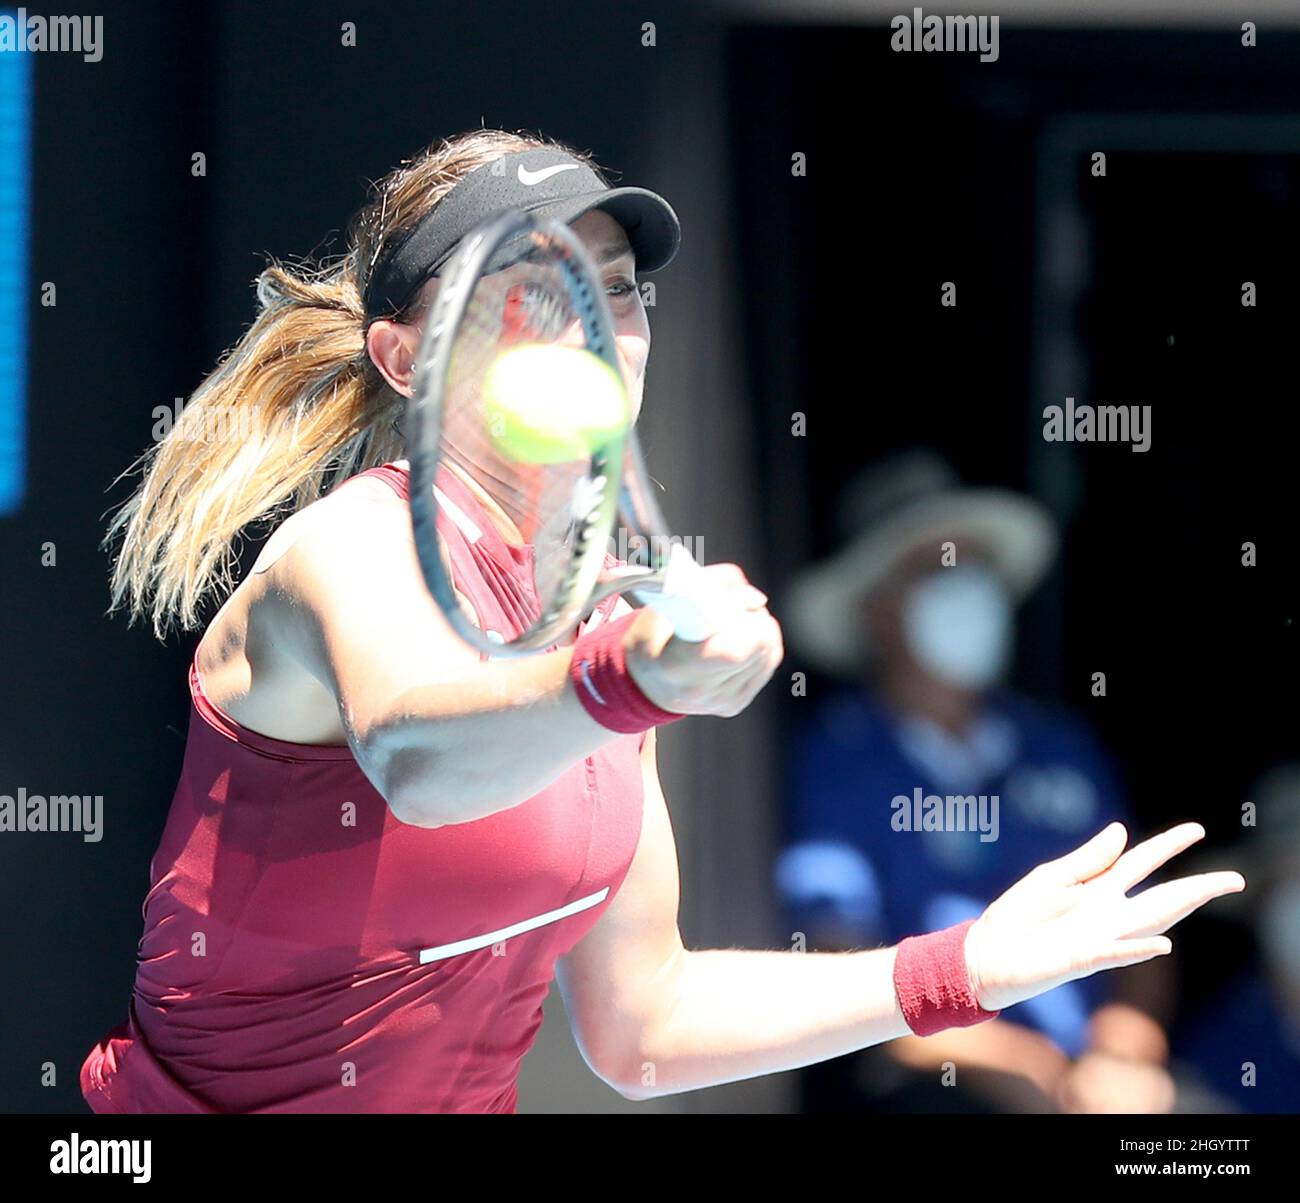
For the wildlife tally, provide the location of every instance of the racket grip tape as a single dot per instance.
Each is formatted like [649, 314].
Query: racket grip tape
[683, 597]
[604, 686]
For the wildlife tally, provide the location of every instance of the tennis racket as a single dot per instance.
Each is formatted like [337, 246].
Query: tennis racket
[517, 387]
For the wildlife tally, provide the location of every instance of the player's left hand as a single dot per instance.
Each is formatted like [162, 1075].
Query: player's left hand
[1071, 917]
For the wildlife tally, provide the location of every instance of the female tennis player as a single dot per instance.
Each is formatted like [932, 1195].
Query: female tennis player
[384, 845]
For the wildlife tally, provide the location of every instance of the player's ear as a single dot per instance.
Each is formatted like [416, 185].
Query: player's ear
[392, 348]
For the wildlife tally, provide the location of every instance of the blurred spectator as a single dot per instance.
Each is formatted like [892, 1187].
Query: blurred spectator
[917, 612]
[1250, 1027]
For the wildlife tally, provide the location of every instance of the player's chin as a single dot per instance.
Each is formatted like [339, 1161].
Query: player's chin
[633, 371]
[635, 391]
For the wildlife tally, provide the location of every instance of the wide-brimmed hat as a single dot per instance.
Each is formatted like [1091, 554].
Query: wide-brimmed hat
[909, 501]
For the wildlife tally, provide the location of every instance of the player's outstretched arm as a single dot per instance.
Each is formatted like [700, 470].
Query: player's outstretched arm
[654, 1018]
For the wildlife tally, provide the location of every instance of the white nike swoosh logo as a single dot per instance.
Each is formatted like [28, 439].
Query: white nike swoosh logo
[529, 178]
[587, 681]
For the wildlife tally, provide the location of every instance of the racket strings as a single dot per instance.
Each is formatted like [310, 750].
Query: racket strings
[529, 301]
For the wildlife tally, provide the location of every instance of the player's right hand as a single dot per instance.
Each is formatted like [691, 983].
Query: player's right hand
[1071, 917]
[722, 674]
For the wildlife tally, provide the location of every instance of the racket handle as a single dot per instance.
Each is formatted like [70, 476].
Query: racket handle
[682, 597]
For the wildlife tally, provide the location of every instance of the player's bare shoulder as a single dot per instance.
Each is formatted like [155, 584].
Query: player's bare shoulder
[330, 565]
[362, 512]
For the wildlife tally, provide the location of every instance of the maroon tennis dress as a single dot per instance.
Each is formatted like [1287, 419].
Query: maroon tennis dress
[304, 951]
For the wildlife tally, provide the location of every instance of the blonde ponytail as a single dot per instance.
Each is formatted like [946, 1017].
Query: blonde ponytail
[287, 410]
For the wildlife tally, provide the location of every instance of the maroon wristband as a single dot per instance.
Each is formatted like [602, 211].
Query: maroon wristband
[605, 687]
[932, 983]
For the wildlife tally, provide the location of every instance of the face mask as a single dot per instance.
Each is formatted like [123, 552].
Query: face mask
[957, 623]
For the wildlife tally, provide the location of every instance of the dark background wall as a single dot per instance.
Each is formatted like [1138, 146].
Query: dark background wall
[821, 292]
[945, 187]
[931, 168]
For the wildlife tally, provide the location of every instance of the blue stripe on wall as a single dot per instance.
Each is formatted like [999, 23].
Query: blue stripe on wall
[15, 141]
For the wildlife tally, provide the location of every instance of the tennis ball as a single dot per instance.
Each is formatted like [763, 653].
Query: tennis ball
[545, 403]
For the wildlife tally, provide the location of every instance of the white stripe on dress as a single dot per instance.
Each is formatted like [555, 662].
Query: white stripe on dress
[442, 951]
[469, 528]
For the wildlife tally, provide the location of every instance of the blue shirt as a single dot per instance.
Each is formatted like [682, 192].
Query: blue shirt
[1034, 783]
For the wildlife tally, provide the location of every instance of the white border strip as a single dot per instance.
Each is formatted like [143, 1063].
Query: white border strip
[442, 951]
